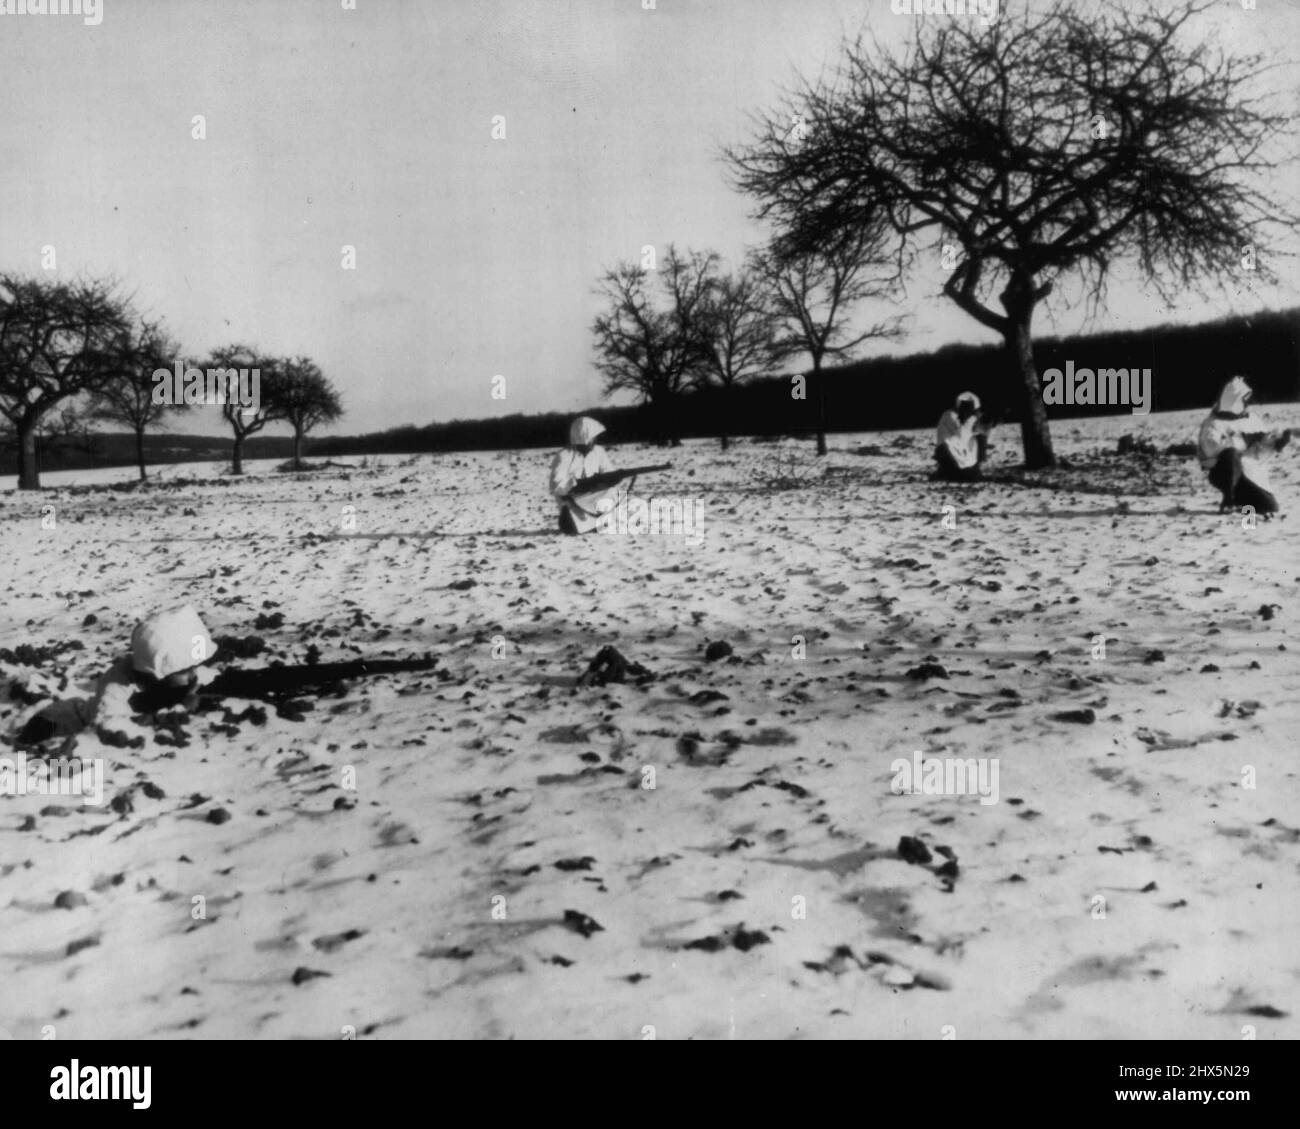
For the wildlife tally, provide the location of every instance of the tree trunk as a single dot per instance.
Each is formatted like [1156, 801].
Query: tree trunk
[29, 467]
[663, 424]
[237, 456]
[139, 452]
[724, 441]
[1034, 430]
[297, 448]
[819, 382]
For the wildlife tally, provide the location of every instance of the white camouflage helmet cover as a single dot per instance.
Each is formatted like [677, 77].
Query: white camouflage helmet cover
[584, 430]
[170, 642]
[1232, 399]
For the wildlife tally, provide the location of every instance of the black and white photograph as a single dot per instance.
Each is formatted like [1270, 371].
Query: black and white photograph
[640, 520]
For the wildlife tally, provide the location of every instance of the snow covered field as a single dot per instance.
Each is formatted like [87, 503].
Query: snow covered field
[710, 852]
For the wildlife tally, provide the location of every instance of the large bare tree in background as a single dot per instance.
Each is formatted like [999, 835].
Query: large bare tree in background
[1047, 147]
[58, 341]
[306, 400]
[656, 345]
[813, 295]
[127, 398]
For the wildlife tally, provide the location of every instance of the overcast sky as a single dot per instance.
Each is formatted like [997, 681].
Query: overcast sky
[373, 128]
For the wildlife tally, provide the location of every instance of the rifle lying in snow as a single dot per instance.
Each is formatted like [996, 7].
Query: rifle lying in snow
[274, 683]
[611, 478]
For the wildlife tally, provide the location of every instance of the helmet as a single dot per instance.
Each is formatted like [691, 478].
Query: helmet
[584, 430]
[170, 642]
[1233, 397]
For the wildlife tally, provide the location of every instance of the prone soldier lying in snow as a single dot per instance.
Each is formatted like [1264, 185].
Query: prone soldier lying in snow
[162, 669]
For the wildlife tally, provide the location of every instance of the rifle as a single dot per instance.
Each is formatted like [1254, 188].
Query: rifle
[611, 478]
[1258, 441]
[276, 683]
[989, 419]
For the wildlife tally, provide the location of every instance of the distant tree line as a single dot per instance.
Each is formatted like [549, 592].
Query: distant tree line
[73, 353]
[1189, 365]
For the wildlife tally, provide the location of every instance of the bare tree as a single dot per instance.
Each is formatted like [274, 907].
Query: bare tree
[57, 341]
[742, 331]
[1050, 145]
[813, 295]
[656, 351]
[130, 397]
[306, 400]
[245, 420]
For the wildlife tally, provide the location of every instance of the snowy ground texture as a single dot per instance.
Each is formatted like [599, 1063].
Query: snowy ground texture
[501, 868]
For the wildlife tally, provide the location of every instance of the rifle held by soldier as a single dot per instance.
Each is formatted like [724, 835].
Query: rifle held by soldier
[611, 478]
